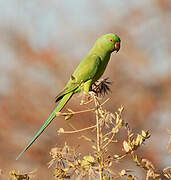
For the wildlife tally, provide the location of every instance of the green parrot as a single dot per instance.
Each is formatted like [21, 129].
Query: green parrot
[88, 71]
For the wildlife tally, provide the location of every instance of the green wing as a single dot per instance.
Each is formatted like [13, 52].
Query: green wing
[86, 70]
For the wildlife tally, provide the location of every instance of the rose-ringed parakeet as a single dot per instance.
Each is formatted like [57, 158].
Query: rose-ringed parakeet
[88, 71]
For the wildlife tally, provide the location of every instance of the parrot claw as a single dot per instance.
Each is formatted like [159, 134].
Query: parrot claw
[87, 98]
[91, 94]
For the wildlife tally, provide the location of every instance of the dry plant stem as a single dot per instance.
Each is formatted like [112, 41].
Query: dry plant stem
[110, 140]
[99, 139]
[72, 113]
[78, 112]
[80, 130]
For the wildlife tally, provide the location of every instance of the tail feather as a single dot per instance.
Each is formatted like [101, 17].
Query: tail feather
[59, 107]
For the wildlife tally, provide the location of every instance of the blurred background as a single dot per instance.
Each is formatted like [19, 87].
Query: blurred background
[42, 42]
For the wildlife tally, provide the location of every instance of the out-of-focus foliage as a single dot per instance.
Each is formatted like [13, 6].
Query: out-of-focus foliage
[41, 43]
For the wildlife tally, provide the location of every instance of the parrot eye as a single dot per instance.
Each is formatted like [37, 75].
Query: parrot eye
[111, 40]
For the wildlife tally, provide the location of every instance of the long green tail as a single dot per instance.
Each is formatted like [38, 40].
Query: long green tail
[59, 107]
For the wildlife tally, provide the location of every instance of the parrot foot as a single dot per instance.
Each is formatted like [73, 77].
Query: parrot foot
[87, 98]
[91, 94]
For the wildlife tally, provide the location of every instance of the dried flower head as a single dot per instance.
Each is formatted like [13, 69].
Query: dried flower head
[102, 87]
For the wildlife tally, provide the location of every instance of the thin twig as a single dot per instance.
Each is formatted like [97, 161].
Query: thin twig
[87, 139]
[79, 112]
[105, 102]
[72, 113]
[107, 134]
[109, 141]
[79, 130]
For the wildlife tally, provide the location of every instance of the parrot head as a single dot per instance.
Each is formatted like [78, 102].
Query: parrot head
[109, 42]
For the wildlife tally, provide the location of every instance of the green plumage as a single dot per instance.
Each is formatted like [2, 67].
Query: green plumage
[88, 71]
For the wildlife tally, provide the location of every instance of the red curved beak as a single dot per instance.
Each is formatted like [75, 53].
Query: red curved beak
[117, 46]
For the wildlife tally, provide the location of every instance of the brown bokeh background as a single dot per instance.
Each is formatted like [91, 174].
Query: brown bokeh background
[42, 42]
